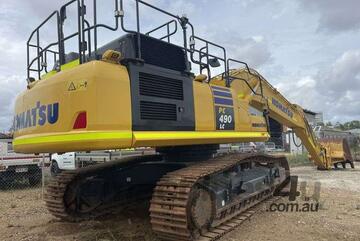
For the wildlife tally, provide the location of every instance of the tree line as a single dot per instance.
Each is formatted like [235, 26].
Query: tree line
[355, 124]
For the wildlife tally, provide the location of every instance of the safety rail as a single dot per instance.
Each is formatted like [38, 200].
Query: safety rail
[40, 51]
[87, 38]
[232, 78]
[204, 53]
[167, 25]
[85, 27]
[83, 34]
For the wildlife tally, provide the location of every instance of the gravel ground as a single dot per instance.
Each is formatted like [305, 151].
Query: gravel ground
[338, 217]
[24, 216]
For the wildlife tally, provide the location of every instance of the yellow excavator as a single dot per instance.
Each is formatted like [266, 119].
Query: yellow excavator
[141, 91]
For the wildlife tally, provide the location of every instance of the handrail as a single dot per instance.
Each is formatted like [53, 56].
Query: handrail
[182, 20]
[42, 24]
[37, 32]
[159, 9]
[248, 71]
[87, 34]
[193, 39]
[41, 52]
[167, 25]
[83, 27]
[42, 56]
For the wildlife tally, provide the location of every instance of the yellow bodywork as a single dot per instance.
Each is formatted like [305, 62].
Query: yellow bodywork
[102, 90]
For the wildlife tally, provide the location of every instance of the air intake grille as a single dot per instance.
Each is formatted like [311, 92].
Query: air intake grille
[157, 111]
[160, 86]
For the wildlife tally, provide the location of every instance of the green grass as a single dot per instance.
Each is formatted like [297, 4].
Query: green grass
[298, 160]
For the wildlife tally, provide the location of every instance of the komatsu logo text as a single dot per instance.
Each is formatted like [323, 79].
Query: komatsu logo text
[37, 116]
[280, 106]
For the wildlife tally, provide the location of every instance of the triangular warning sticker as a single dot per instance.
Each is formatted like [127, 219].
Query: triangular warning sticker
[72, 87]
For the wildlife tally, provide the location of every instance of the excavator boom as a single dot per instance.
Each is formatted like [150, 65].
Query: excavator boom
[264, 97]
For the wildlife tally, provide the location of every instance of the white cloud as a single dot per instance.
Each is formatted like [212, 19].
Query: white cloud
[258, 38]
[254, 50]
[334, 90]
[11, 85]
[335, 15]
[342, 78]
[306, 82]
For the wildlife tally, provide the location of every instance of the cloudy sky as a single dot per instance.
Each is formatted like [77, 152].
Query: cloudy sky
[310, 50]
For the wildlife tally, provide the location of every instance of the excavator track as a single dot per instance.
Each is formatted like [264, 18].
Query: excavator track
[172, 212]
[175, 210]
[65, 197]
[235, 222]
[55, 192]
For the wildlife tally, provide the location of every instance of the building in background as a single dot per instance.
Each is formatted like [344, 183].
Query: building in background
[311, 117]
[292, 143]
[314, 118]
[327, 132]
[284, 138]
[5, 136]
[319, 118]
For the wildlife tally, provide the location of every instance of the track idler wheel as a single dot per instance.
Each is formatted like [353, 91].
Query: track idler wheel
[86, 196]
[202, 210]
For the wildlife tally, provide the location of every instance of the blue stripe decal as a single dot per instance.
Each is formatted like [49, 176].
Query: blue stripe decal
[220, 88]
[222, 94]
[221, 101]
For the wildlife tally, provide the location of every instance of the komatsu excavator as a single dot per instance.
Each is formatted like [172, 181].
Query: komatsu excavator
[141, 91]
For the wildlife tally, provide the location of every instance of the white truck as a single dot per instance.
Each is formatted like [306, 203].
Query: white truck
[74, 160]
[245, 147]
[14, 166]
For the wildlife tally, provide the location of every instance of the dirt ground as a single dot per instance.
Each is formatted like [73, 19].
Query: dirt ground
[23, 216]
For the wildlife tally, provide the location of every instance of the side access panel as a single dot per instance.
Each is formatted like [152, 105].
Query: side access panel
[162, 99]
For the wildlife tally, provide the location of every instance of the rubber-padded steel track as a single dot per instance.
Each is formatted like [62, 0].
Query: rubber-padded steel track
[170, 205]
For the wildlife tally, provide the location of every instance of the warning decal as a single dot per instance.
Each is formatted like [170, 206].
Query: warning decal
[77, 85]
[72, 87]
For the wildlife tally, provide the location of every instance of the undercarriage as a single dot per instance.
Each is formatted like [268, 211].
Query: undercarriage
[188, 200]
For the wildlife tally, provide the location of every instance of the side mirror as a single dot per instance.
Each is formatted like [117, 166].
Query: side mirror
[214, 63]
